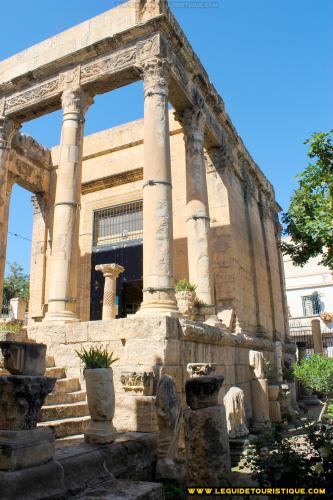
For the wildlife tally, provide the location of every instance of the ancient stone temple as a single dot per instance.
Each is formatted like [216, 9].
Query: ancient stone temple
[174, 195]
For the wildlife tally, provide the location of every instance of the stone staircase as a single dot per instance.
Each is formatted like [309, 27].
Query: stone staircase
[65, 409]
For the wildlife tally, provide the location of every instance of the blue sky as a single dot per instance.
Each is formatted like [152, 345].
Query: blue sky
[270, 60]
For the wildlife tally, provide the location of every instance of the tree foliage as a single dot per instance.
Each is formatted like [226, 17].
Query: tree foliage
[16, 284]
[309, 219]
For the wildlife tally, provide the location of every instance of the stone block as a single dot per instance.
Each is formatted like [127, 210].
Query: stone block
[21, 449]
[135, 413]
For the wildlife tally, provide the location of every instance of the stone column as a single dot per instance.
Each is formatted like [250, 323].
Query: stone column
[158, 282]
[8, 128]
[317, 338]
[110, 273]
[197, 210]
[65, 240]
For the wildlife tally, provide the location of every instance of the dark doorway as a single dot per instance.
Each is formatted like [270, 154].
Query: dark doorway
[129, 283]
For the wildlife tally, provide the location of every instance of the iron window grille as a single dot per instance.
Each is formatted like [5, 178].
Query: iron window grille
[311, 305]
[120, 225]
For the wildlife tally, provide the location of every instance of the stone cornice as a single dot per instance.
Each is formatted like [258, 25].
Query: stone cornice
[112, 181]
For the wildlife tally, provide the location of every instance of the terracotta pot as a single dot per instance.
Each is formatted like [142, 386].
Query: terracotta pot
[185, 301]
[273, 392]
[101, 403]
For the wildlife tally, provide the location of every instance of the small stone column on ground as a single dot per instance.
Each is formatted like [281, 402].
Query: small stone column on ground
[8, 129]
[158, 281]
[197, 209]
[110, 273]
[22, 394]
[62, 293]
[274, 404]
[259, 391]
[317, 338]
[278, 355]
[206, 435]
[169, 419]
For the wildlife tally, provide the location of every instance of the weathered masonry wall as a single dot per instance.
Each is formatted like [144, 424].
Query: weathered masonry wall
[153, 346]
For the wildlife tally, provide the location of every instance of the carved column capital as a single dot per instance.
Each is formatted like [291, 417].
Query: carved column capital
[156, 76]
[110, 270]
[193, 122]
[8, 128]
[76, 100]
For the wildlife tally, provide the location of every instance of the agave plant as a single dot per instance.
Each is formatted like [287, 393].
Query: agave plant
[185, 286]
[96, 357]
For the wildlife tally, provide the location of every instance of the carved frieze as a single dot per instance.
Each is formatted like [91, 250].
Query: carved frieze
[138, 382]
[200, 369]
[33, 95]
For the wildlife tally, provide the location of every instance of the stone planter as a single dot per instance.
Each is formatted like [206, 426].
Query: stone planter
[185, 302]
[101, 402]
[21, 398]
[273, 392]
[23, 358]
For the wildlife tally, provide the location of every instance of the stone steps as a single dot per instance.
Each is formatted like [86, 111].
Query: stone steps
[56, 398]
[55, 372]
[50, 363]
[60, 411]
[67, 385]
[67, 426]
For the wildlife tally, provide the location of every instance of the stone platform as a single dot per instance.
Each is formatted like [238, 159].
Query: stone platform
[80, 468]
[147, 348]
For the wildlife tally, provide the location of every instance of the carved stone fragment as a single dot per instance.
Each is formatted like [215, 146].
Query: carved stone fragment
[169, 416]
[200, 369]
[140, 382]
[235, 412]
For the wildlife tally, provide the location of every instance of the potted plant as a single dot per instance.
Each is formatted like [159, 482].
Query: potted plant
[185, 295]
[100, 394]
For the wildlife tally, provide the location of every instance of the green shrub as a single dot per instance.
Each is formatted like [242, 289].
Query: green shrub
[185, 286]
[96, 357]
[10, 327]
[315, 372]
[298, 462]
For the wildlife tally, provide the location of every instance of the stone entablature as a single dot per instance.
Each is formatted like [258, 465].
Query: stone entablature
[70, 55]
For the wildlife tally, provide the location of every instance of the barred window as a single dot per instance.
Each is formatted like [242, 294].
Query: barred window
[311, 305]
[120, 224]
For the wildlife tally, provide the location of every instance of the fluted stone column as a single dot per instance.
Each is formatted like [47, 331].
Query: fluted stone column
[158, 282]
[110, 273]
[8, 128]
[62, 294]
[197, 209]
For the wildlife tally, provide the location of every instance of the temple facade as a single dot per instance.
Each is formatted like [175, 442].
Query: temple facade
[175, 195]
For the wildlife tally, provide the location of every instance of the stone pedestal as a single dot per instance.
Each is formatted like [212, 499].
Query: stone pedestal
[260, 406]
[21, 449]
[206, 435]
[23, 358]
[110, 273]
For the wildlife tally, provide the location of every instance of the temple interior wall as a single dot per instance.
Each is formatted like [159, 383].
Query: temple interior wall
[242, 279]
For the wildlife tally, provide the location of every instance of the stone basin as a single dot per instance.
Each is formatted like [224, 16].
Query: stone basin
[24, 358]
[21, 398]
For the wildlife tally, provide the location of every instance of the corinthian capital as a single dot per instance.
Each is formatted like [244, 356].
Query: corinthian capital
[193, 122]
[76, 101]
[8, 129]
[156, 76]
